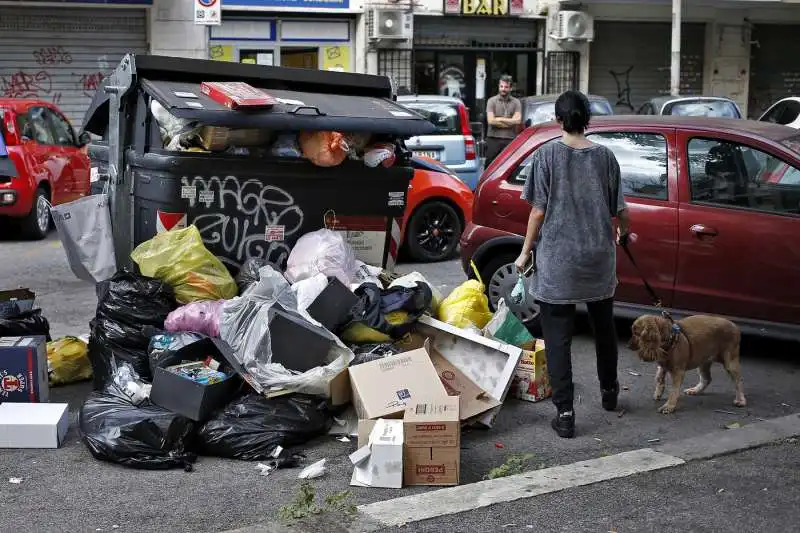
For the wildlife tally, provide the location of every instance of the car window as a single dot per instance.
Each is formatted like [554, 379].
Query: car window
[703, 108]
[34, 126]
[443, 115]
[735, 175]
[520, 174]
[62, 129]
[642, 159]
[773, 115]
[783, 113]
[546, 111]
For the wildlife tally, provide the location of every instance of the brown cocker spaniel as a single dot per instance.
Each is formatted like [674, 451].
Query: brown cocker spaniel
[694, 342]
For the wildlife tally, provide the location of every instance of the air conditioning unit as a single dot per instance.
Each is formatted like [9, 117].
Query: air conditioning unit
[392, 24]
[573, 26]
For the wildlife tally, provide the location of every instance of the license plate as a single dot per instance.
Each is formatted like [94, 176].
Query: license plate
[428, 153]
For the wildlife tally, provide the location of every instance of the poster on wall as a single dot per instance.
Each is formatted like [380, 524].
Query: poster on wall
[221, 52]
[208, 12]
[336, 58]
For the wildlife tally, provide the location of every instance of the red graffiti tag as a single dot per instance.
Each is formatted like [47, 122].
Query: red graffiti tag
[26, 85]
[52, 55]
[90, 82]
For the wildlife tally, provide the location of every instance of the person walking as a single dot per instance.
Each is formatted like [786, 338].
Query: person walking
[503, 116]
[575, 193]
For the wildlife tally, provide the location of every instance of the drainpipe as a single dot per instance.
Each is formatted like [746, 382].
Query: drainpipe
[675, 65]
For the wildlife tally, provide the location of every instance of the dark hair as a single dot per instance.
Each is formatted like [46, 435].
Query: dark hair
[506, 78]
[573, 112]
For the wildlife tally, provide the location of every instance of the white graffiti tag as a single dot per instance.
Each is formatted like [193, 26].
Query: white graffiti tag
[233, 216]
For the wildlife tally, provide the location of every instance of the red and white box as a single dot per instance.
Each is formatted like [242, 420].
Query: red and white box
[237, 95]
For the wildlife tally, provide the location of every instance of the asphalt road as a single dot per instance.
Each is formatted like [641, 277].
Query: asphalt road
[68, 490]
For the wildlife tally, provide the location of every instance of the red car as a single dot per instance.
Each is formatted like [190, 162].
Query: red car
[715, 204]
[439, 206]
[41, 160]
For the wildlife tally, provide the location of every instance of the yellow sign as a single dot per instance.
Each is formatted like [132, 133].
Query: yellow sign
[221, 52]
[494, 8]
[336, 58]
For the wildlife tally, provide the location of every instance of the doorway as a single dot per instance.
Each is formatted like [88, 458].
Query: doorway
[300, 57]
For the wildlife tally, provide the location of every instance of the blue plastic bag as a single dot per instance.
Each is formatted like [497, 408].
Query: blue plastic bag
[518, 293]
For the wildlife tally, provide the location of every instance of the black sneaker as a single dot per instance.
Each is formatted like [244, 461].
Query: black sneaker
[564, 424]
[610, 397]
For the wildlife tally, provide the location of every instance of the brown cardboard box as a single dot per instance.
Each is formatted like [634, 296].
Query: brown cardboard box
[531, 379]
[474, 399]
[432, 423]
[431, 466]
[383, 388]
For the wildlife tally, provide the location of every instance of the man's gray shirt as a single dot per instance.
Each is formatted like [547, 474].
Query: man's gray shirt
[504, 107]
[579, 191]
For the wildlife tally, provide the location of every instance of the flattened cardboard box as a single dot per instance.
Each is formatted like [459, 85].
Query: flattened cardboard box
[432, 423]
[531, 380]
[473, 399]
[383, 388]
[431, 466]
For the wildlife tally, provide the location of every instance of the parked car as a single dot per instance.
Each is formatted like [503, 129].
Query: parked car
[439, 206]
[453, 144]
[49, 163]
[691, 106]
[540, 109]
[785, 112]
[715, 204]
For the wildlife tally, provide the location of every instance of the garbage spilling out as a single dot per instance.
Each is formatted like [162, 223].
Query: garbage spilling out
[197, 350]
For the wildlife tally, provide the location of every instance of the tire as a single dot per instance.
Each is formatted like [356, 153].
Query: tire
[499, 274]
[433, 232]
[36, 225]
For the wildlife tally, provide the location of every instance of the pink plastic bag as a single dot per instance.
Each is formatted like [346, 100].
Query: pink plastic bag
[323, 148]
[199, 317]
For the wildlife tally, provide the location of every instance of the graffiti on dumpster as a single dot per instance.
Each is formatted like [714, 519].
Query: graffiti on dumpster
[238, 213]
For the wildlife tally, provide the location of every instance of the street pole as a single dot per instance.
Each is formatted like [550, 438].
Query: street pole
[675, 65]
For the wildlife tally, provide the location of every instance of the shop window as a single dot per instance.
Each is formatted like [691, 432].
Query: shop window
[452, 76]
[425, 73]
[396, 64]
[642, 159]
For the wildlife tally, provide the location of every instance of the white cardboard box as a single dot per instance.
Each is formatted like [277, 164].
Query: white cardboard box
[33, 425]
[384, 466]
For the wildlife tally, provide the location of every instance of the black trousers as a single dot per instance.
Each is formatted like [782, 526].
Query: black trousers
[495, 145]
[558, 326]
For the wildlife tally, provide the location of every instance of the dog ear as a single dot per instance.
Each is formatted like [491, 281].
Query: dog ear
[650, 341]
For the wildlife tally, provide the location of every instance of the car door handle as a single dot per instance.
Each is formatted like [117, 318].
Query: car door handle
[702, 229]
[495, 202]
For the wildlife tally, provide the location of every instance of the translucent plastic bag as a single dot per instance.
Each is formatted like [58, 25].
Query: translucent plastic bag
[68, 361]
[179, 258]
[201, 317]
[506, 327]
[309, 289]
[467, 306]
[323, 148]
[322, 252]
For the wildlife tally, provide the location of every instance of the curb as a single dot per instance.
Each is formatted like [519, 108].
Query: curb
[376, 516]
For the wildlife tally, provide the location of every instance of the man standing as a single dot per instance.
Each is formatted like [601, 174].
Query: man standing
[503, 115]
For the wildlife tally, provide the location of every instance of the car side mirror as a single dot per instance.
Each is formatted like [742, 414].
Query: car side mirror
[84, 138]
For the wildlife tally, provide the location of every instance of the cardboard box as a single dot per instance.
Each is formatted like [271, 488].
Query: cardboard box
[531, 380]
[431, 466]
[383, 467]
[217, 138]
[383, 388]
[15, 302]
[332, 307]
[474, 401]
[237, 95]
[195, 401]
[432, 423]
[23, 369]
[29, 425]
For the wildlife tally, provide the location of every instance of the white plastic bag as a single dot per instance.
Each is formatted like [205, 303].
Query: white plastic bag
[518, 293]
[84, 227]
[322, 252]
[307, 290]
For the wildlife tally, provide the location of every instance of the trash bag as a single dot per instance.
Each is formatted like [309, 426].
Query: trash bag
[250, 427]
[322, 252]
[180, 259]
[323, 148]
[506, 327]
[467, 306]
[380, 154]
[135, 300]
[103, 351]
[411, 280]
[286, 145]
[389, 313]
[143, 435]
[68, 361]
[248, 274]
[27, 323]
[518, 293]
[201, 317]
[372, 352]
[163, 348]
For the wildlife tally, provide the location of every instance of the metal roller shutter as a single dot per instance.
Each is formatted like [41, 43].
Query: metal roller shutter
[470, 33]
[61, 55]
[774, 66]
[629, 62]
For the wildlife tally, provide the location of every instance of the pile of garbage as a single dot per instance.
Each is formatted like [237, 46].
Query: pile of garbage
[191, 361]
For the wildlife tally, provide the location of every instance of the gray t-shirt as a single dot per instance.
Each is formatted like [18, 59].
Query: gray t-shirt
[579, 191]
[505, 108]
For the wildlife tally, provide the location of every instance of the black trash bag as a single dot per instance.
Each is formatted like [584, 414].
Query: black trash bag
[250, 427]
[364, 353]
[375, 303]
[135, 300]
[28, 323]
[248, 274]
[163, 348]
[102, 351]
[137, 436]
[121, 333]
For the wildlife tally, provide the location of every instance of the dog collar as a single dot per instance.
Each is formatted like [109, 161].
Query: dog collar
[674, 332]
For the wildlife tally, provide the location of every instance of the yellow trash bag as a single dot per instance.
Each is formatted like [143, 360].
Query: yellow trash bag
[467, 305]
[68, 361]
[179, 259]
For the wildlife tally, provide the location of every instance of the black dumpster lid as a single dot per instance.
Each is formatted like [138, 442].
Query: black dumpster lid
[296, 111]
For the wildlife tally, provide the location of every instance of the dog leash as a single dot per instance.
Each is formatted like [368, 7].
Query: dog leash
[656, 300]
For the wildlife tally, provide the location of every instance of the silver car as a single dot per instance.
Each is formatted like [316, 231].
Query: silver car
[691, 106]
[453, 144]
